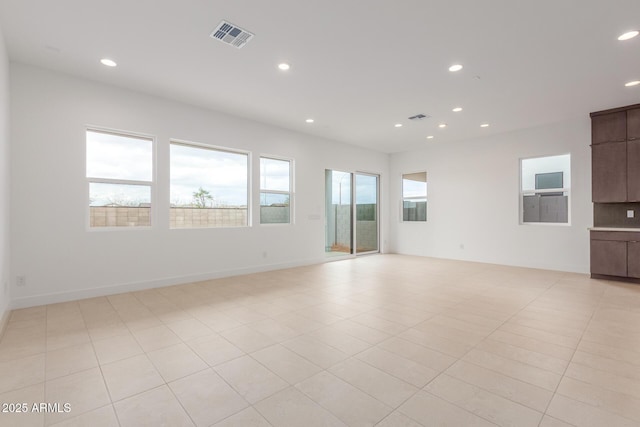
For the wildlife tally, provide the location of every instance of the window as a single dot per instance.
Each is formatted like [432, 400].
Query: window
[120, 176]
[275, 191]
[414, 196]
[545, 189]
[209, 187]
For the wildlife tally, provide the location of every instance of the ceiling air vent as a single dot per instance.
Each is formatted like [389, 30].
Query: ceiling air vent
[419, 117]
[231, 34]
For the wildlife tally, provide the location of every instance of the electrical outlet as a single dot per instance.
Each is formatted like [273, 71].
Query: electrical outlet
[21, 281]
[631, 213]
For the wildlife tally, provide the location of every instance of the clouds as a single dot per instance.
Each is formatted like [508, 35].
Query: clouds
[223, 174]
[119, 157]
[116, 160]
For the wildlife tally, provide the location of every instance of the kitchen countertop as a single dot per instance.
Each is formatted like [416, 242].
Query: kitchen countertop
[613, 229]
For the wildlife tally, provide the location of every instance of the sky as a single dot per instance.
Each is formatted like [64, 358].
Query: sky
[112, 156]
[366, 191]
[411, 188]
[222, 173]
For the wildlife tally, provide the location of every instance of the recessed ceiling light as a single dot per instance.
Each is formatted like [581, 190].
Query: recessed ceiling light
[108, 62]
[455, 67]
[284, 66]
[633, 83]
[484, 125]
[430, 137]
[457, 109]
[309, 120]
[442, 125]
[628, 35]
[398, 125]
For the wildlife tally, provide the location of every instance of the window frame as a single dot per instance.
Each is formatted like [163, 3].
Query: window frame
[153, 211]
[564, 190]
[290, 193]
[403, 198]
[218, 148]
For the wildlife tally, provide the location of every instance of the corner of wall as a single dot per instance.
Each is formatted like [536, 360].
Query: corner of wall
[5, 188]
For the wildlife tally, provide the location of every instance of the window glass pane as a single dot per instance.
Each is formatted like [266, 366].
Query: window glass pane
[366, 213]
[552, 169]
[119, 194]
[414, 210]
[221, 175]
[540, 176]
[414, 185]
[274, 208]
[338, 213]
[366, 197]
[414, 196]
[341, 188]
[274, 174]
[119, 205]
[367, 189]
[209, 188]
[270, 199]
[111, 156]
[413, 188]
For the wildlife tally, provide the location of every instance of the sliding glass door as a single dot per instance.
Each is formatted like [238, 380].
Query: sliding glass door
[351, 227]
[366, 213]
[338, 226]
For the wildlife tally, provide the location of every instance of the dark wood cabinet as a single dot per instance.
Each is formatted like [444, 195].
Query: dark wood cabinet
[615, 173]
[633, 171]
[610, 127]
[609, 258]
[615, 155]
[633, 259]
[633, 124]
[609, 172]
[615, 253]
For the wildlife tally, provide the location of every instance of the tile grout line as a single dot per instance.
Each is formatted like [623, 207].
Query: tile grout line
[555, 392]
[473, 348]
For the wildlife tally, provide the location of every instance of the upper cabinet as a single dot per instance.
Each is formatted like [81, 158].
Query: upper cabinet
[633, 170]
[610, 127]
[633, 124]
[609, 172]
[615, 155]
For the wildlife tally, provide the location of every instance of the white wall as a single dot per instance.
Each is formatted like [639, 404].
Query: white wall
[61, 260]
[473, 200]
[5, 173]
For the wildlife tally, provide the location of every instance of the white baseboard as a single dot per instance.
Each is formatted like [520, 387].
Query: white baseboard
[73, 295]
[565, 268]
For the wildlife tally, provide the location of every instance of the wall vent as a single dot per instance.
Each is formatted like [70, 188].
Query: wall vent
[231, 34]
[419, 117]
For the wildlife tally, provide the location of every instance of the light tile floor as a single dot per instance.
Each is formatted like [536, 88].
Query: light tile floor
[383, 340]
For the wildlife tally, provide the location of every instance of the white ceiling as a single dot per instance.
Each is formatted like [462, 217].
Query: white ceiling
[357, 66]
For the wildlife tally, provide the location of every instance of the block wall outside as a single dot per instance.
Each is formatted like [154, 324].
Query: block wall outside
[339, 224]
[122, 216]
[119, 216]
[367, 236]
[275, 214]
[207, 217]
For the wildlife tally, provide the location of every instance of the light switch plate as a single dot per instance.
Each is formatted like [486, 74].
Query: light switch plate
[630, 213]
